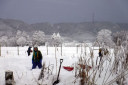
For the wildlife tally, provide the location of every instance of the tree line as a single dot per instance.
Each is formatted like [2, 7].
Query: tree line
[22, 38]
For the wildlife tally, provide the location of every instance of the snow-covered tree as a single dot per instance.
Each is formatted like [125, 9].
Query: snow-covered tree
[38, 38]
[18, 34]
[104, 37]
[53, 35]
[21, 41]
[120, 37]
[21, 38]
[12, 41]
[24, 34]
[4, 41]
[56, 39]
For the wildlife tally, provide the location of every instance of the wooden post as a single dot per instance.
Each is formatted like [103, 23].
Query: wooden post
[61, 49]
[77, 48]
[81, 49]
[0, 49]
[18, 50]
[85, 49]
[9, 79]
[56, 59]
[47, 49]
[55, 51]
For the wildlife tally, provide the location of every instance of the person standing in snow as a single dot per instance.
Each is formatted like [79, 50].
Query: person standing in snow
[29, 50]
[100, 56]
[100, 52]
[36, 58]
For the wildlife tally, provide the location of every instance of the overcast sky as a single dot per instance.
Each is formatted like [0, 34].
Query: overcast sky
[55, 11]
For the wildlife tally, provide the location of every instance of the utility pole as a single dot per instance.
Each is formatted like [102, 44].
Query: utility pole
[93, 18]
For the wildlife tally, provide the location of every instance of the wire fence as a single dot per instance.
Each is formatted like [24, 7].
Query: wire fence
[65, 51]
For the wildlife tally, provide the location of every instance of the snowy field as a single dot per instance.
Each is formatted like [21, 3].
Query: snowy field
[21, 65]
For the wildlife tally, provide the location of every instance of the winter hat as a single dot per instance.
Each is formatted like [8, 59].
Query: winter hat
[35, 46]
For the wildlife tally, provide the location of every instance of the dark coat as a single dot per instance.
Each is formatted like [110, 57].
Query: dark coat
[29, 50]
[100, 53]
[37, 56]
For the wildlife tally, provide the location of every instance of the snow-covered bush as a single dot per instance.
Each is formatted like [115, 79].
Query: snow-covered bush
[120, 61]
[120, 37]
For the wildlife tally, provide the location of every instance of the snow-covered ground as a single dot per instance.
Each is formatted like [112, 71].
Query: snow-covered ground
[21, 65]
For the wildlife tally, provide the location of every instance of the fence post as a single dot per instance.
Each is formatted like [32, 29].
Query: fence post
[56, 59]
[61, 49]
[18, 50]
[0, 49]
[55, 51]
[85, 49]
[47, 49]
[77, 49]
[81, 49]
